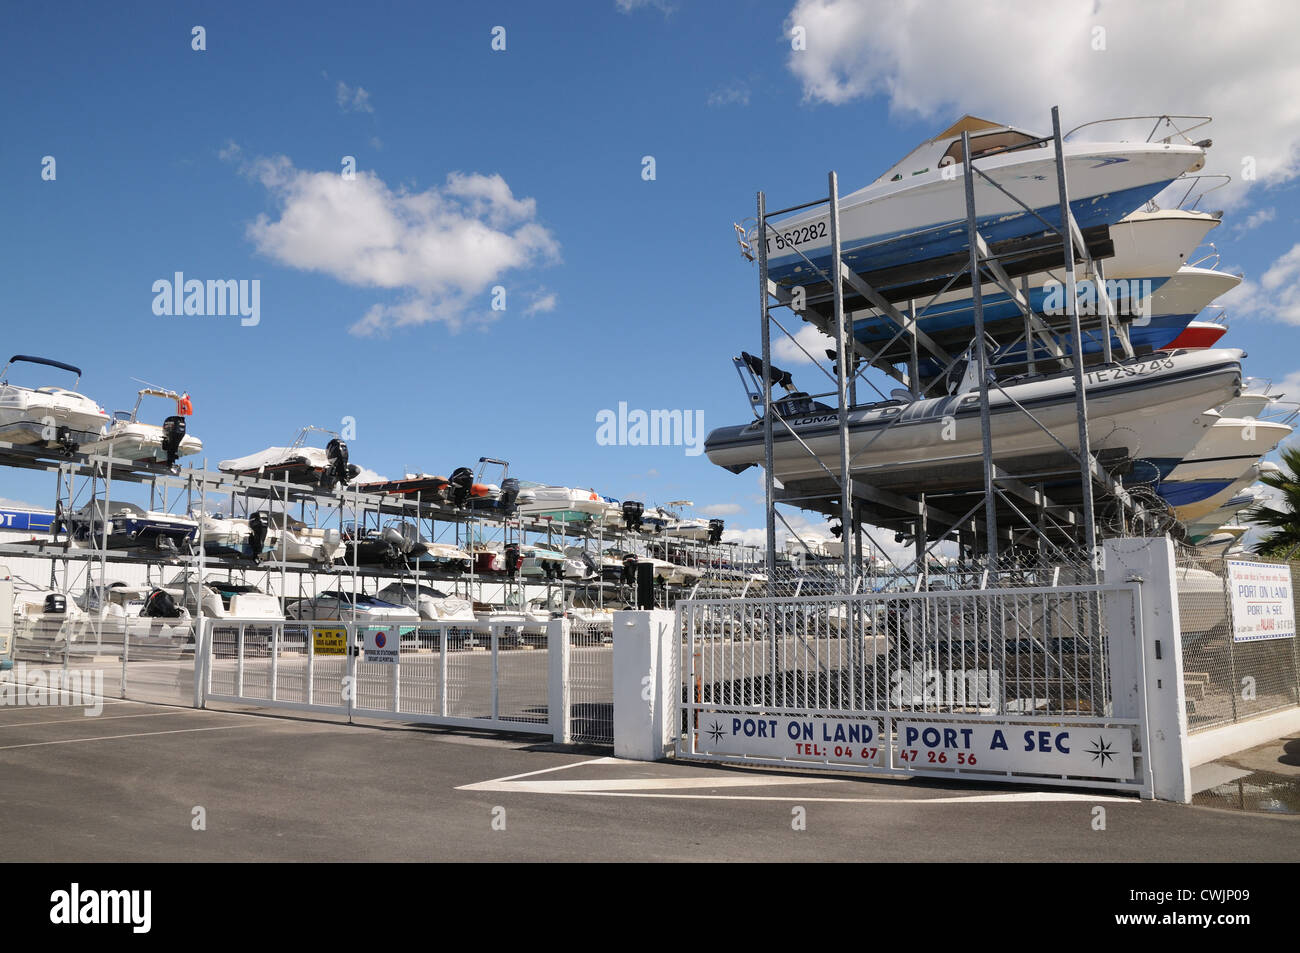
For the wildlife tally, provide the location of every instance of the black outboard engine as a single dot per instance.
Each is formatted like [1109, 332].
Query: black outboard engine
[257, 527]
[461, 480]
[511, 553]
[509, 492]
[173, 432]
[160, 605]
[340, 472]
[56, 603]
[715, 531]
[629, 569]
[590, 562]
[632, 511]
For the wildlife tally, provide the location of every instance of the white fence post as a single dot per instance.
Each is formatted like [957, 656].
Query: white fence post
[1152, 676]
[557, 698]
[200, 660]
[645, 688]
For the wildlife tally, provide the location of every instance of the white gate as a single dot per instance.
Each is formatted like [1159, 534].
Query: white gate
[992, 684]
[487, 675]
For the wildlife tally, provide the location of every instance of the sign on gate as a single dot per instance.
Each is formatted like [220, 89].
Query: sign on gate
[382, 644]
[1079, 751]
[836, 740]
[329, 640]
[1262, 603]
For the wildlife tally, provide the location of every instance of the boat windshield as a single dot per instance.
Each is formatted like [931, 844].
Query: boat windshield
[988, 144]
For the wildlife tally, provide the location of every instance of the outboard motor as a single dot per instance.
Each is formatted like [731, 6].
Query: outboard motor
[461, 480]
[509, 493]
[160, 605]
[340, 471]
[56, 603]
[715, 531]
[257, 527]
[632, 511]
[629, 569]
[173, 432]
[511, 554]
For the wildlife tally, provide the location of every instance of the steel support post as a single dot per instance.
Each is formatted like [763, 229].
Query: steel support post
[981, 368]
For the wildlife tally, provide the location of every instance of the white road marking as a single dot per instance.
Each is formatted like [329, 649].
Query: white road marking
[141, 734]
[664, 788]
[97, 718]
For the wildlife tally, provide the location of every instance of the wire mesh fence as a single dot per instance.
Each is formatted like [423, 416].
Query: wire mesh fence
[1030, 651]
[136, 658]
[591, 683]
[1226, 680]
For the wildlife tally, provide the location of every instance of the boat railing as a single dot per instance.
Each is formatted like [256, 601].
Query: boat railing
[1198, 187]
[1169, 120]
[1202, 253]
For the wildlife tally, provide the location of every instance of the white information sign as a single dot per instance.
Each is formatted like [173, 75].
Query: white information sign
[1263, 606]
[1076, 750]
[382, 645]
[829, 740]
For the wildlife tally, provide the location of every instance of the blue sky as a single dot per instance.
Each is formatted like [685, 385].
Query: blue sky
[168, 158]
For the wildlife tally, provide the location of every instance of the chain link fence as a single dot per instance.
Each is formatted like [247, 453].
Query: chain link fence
[1226, 681]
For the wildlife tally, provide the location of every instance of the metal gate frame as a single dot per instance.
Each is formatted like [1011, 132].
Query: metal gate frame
[347, 700]
[1142, 783]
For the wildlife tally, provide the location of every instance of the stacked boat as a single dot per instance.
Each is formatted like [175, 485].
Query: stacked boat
[1166, 405]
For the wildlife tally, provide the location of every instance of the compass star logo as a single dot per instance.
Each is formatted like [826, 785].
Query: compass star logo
[716, 732]
[1101, 751]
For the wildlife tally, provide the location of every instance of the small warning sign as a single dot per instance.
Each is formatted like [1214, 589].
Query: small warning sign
[382, 645]
[329, 641]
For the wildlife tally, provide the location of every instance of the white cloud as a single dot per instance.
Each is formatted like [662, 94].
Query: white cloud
[1255, 219]
[1013, 60]
[628, 6]
[1275, 296]
[367, 475]
[722, 509]
[814, 342]
[353, 100]
[541, 303]
[733, 94]
[440, 249]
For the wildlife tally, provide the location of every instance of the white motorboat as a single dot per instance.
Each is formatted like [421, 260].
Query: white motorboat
[223, 599]
[295, 541]
[1151, 249]
[130, 438]
[1244, 499]
[122, 525]
[238, 537]
[44, 618]
[543, 561]
[560, 503]
[431, 604]
[1226, 455]
[917, 209]
[298, 463]
[444, 557]
[337, 605]
[1151, 409]
[1219, 542]
[48, 416]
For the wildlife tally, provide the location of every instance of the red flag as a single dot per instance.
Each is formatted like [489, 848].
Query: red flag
[183, 406]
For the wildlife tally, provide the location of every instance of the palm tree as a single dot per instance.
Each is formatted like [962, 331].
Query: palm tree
[1284, 540]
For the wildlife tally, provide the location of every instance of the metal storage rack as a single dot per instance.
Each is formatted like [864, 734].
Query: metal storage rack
[1017, 507]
